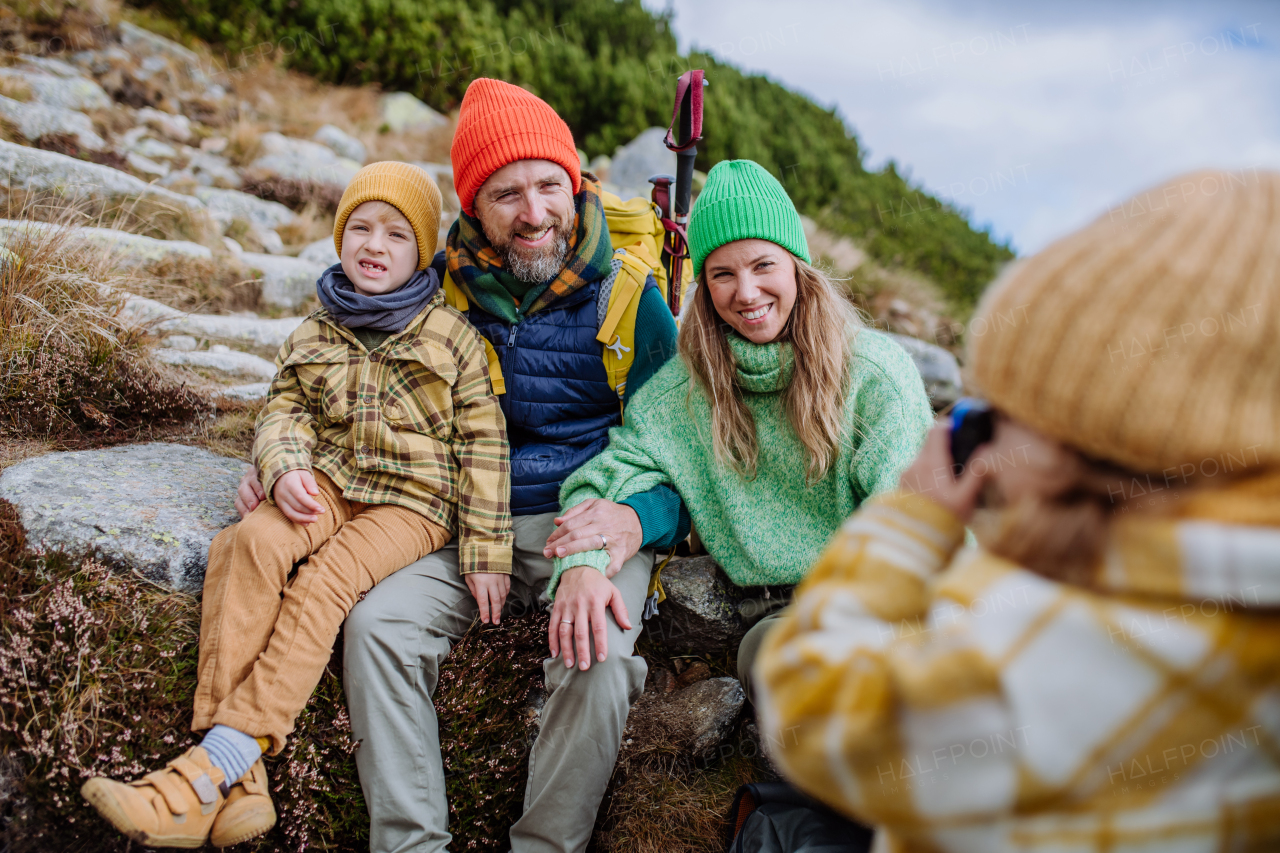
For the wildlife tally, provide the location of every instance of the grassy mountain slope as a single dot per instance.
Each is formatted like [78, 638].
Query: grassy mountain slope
[608, 67]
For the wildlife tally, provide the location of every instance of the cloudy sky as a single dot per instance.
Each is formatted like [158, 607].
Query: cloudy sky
[1032, 116]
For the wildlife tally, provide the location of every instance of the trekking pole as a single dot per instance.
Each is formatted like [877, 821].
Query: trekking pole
[683, 136]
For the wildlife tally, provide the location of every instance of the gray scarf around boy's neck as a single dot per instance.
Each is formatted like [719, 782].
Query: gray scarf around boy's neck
[389, 312]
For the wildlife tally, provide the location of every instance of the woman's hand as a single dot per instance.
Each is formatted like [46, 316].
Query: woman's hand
[490, 591]
[933, 474]
[578, 616]
[250, 492]
[581, 528]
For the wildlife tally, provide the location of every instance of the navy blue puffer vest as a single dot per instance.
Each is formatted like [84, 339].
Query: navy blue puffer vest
[559, 405]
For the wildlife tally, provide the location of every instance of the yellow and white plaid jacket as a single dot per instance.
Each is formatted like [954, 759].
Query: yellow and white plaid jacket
[414, 423]
[962, 703]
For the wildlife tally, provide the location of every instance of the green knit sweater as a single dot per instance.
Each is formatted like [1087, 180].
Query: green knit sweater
[770, 529]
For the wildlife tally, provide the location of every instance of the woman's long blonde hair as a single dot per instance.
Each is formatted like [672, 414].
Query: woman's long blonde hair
[820, 330]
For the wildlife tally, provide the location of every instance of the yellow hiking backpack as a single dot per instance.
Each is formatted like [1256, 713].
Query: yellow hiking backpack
[637, 233]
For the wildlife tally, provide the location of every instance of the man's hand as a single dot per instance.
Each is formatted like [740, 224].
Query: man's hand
[490, 590]
[579, 613]
[295, 494]
[933, 474]
[581, 528]
[250, 492]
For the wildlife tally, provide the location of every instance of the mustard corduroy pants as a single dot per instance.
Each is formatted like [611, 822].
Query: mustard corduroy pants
[267, 632]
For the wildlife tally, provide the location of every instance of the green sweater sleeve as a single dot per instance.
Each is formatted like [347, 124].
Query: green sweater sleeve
[893, 415]
[664, 520]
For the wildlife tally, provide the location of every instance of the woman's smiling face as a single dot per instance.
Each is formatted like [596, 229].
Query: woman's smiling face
[379, 249]
[753, 287]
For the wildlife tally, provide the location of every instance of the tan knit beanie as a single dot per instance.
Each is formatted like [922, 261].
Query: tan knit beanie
[404, 186]
[1150, 338]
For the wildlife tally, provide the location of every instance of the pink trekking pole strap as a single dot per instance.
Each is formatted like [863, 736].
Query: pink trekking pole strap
[689, 87]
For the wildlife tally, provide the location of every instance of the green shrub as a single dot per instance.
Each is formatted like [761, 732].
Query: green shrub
[608, 67]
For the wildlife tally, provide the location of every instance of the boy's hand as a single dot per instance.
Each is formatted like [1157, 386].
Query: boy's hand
[295, 492]
[932, 474]
[490, 590]
[250, 493]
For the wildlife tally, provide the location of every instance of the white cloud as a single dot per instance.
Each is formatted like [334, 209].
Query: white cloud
[1036, 120]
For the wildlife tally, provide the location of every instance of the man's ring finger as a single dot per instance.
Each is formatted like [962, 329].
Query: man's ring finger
[604, 543]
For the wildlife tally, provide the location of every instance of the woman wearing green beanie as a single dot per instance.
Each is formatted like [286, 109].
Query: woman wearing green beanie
[781, 416]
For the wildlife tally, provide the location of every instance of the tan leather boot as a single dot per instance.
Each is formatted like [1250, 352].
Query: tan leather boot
[248, 812]
[172, 807]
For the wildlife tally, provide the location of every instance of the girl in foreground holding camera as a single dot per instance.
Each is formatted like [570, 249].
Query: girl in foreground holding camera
[1103, 673]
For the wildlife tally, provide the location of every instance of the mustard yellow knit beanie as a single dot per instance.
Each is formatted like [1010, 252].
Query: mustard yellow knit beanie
[1150, 338]
[404, 186]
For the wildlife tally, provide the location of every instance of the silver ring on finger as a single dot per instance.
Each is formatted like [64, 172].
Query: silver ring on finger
[566, 621]
[604, 543]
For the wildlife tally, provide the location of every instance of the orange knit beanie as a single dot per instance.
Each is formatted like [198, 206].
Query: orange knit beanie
[1150, 338]
[499, 124]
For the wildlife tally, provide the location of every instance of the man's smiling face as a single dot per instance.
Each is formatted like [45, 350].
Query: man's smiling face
[526, 211]
[379, 249]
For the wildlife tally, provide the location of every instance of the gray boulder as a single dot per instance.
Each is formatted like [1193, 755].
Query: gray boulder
[259, 216]
[220, 358]
[49, 65]
[341, 143]
[251, 391]
[212, 170]
[51, 90]
[302, 164]
[286, 282]
[36, 120]
[938, 368]
[176, 127]
[152, 508]
[634, 163]
[145, 165]
[694, 721]
[402, 111]
[128, 251]
[249, 331]
[701, 611]
[145, 44]
[46, 172]
[320, 252]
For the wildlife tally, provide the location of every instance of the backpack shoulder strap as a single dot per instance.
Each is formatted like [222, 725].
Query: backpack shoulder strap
[453, 295]
[456, 299]
[618, 330]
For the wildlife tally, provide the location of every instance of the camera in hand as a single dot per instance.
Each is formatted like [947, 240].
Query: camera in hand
[972, 423]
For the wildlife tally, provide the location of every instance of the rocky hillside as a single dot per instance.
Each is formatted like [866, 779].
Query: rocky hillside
[163, 218]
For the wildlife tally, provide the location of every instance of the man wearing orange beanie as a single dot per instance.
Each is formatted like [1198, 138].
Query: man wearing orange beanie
[532, 255]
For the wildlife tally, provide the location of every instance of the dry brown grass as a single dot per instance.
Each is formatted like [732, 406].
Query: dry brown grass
[242, 141]
[311, 224]
[14, 89]
[149, 217]
[69, 365]
[221, 286]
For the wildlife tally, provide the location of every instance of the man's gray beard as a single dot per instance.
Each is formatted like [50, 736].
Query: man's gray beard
[536, 268]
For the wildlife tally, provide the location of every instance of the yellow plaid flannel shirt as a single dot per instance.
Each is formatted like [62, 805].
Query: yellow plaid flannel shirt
[414, 423]
[960, 702]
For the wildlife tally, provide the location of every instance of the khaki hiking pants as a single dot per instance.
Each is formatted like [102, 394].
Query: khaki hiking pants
[395, 641]
[265, 637]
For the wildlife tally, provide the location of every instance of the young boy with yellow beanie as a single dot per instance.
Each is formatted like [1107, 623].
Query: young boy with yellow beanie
[381, 438]
[1103, 672]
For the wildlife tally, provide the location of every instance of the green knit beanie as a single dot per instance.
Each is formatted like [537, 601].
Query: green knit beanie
[742, 201]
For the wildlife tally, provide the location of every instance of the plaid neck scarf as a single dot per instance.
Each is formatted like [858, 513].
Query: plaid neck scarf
[476, 268]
